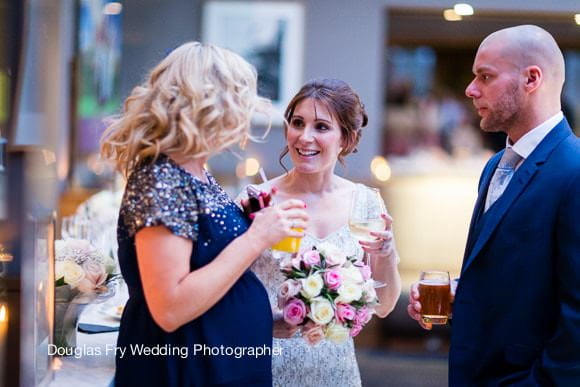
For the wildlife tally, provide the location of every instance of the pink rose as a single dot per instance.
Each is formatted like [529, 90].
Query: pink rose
[355, 330]
[95, 275]
[363, 316]
[311, 258]
[365, 271]
[287, 290]
[312, 333]
[333, 279]
[294, 311]
[345, 312]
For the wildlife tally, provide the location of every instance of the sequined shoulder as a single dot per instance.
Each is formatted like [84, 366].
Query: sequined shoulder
[158, 194]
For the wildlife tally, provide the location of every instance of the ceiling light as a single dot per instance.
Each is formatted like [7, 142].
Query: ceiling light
[252, 166]
[577, 18]
[463, 9]
[380, 168]
[450, 15]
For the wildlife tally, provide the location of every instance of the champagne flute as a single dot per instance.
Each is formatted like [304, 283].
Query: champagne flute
[365, 216]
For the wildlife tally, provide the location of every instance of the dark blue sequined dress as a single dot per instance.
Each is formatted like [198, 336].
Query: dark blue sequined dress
[221, 347]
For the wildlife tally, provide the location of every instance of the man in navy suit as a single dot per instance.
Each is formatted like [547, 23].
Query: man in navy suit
[516, 313]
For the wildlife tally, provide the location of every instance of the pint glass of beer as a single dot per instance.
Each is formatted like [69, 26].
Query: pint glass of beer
[435, 296]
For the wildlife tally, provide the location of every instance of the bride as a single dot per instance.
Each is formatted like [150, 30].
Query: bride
[323, 124]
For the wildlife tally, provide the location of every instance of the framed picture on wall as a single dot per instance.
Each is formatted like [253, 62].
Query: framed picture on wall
[269, 35]
[97, 84]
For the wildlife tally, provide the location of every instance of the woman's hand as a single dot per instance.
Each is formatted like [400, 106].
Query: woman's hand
[283, 330]
[384, 245]
[384, 266]
[272, 224]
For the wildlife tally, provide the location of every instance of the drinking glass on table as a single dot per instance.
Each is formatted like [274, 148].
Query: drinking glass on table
[435, 297]
[366, 209]
[75, 227]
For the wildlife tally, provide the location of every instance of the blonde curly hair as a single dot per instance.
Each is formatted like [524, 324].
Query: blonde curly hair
[197, 102]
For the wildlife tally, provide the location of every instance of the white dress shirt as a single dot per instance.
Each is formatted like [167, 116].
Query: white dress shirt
[529, 141]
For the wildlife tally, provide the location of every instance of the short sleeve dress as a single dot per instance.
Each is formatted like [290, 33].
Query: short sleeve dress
[230, 344]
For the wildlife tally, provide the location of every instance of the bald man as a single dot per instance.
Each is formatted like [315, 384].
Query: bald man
[516, 314]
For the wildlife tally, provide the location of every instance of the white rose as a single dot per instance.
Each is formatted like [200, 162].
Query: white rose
[349, 292]
[337, 333]
[58, 270]
[332, 254]
[321, 311]
[369, 292]
[73, 273]
[351, 273]
[311, 286]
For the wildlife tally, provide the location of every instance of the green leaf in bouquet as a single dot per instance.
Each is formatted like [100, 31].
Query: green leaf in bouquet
[300, 273]
[60, 282]
[358, 304]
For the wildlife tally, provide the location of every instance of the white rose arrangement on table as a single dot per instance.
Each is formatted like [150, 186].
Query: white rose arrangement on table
[83, 275]
[330, 295]
[83, 267]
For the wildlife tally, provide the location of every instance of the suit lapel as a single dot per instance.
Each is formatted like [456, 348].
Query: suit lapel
[480, 203]
[516, 186]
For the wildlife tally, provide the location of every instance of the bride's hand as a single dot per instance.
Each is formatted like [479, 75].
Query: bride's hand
[383, 245]
[283, 330]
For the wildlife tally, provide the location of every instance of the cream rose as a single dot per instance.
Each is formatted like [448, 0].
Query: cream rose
[369, 292]
[332, 254]
[349, 292]
[311, 286]
[321, 311]
[337, 333]
[73, 274]
[351, 273]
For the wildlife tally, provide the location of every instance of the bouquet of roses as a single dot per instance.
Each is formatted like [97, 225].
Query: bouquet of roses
[327, 293]
[82, 266]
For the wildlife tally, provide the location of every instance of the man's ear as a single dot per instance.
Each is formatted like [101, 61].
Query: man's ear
[534, 77]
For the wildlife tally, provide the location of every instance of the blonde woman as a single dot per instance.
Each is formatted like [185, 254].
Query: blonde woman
[196, 316]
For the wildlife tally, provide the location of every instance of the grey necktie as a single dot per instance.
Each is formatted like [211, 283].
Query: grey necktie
[502, 176]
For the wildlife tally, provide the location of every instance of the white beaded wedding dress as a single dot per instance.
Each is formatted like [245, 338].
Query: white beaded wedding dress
[299, 364]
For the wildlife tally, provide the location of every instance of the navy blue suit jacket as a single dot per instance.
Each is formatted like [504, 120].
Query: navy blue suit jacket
[516, 316]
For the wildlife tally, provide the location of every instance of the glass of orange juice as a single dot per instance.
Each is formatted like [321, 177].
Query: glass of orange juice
[288, 245]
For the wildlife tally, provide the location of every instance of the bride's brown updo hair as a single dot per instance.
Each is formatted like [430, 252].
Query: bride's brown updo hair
[344, 105]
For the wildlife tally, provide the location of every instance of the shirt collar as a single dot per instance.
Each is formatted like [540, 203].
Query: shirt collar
[528, 142]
